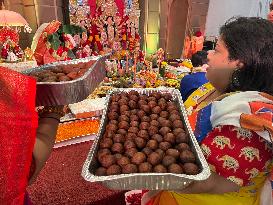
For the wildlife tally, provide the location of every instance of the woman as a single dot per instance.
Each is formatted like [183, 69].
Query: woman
[233, 122]
[26, 141]
[197, 78]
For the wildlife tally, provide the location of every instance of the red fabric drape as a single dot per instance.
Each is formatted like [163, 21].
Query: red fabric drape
[93, 5]
[18, 123]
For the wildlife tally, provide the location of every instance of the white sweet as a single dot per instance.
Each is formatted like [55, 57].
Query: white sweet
[88, 105]
[12, 57]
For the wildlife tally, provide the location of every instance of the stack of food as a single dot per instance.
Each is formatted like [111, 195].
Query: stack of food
[145, 134]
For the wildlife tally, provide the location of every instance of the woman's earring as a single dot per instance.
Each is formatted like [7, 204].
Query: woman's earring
[235, 82]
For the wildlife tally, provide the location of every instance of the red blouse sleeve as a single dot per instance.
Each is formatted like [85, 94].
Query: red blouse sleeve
[235, 153]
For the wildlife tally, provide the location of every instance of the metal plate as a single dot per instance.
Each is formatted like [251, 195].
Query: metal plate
[68, 92]
[150, 181]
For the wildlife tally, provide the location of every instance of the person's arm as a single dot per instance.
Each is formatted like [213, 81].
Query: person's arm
[215, 184]
[46, 134]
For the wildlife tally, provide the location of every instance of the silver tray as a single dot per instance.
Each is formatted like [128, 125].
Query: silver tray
[68, 92]
[150, 181]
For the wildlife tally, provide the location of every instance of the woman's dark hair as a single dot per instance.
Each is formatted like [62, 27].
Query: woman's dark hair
[199, 58]
[250, 40]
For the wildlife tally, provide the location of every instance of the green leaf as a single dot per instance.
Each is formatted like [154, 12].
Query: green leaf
[71, 29]
[54, 41]
[70, 54]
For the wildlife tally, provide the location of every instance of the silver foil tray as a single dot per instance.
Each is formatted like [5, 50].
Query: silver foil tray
[150, 181]
[68, 92]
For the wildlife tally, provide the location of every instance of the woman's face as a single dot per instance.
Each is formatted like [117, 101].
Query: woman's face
[220, 66]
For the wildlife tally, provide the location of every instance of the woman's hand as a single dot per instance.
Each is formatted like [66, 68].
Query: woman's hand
[49, 118]
[215, 184]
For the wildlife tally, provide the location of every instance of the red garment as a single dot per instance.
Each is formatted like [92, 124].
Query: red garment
[236, 154]
[18, 123]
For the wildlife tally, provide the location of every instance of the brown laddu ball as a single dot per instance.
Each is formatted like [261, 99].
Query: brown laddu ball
[134, 123]
[154, 158]
[156, 110]
[154, 123]
[174, 117]
[173, 152]
[134, 111]
[146, 109]
[128, 144]
[114, 108]
[152, 144]
[122, 102]
[157, 137]
[129, 168]
[171, 107]
[119, 138]
[117, 148]
[187, 156]
[147, 151]
[175, 112]
[103, 152]
[130, 152]
[182, 138]
[143, 97]
[151, 98]
[133, 92]
[130, 136]
[145, 119]
[140, 142]
[161, 153]
[124, 108]
[170, 103]
[152, 130]
[190, 168]
[182, 146]
[118, 156]
[101, 171]
[160, 169]
[113, 170]
[145, 167]
[141, 113]
[161, 119]
[178, 124]
[132, 104]
[166, 123]
[142, 102]
[157, 95]
[164, 114]
[107, 160]
[177, 131]
[162, 105]
[175, 168]
[169, 137]
[123, 125]
[115, 122]
[106, 143]
[144, 126]
[124, 118]
[112, 127]
[165, 146]
[112, 115]
[154, 116]
[164, 130]
[134, 118]
[143, 134]
[138, 158]
[133, 130]
[133, 97]
[152, 104]
[127, 113]
[115, 98]
[122, 132]
[168, 160]
[167, 96]
[123, 161]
